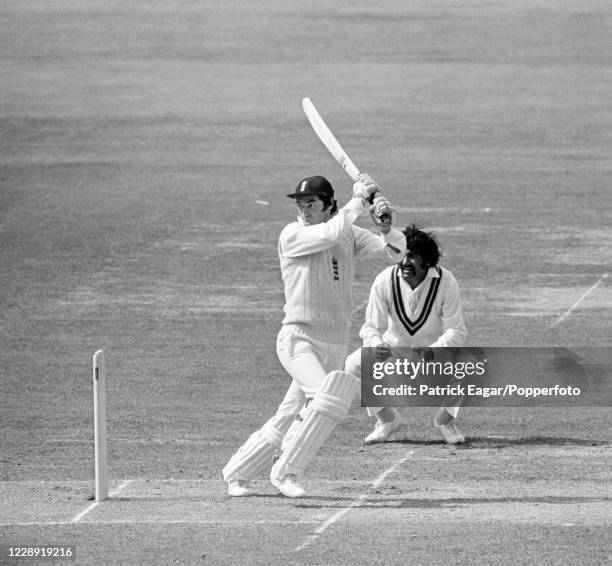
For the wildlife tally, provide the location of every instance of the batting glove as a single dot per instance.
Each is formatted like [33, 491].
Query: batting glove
[382, 211]
[365, 187]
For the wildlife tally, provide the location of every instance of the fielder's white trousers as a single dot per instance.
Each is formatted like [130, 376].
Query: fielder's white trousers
[352, 366]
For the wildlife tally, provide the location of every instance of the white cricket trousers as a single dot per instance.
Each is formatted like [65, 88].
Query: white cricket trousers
[307, 361]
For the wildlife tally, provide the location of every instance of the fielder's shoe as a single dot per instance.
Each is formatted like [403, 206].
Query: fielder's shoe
[451, 433]
[288, 486]
[239, 488]
[460, 437]
[382, 431]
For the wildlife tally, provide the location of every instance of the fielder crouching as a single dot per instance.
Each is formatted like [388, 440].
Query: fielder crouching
[416, 304]
[317, 258]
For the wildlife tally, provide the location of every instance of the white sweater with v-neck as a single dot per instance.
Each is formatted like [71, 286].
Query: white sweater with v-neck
[431, 315]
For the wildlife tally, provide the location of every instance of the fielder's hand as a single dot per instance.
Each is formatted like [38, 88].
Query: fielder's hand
[382, 212]
[382, 352]
[365, 187]
[426, 354]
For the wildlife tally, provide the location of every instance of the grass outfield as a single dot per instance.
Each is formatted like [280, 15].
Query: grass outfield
[144, 157]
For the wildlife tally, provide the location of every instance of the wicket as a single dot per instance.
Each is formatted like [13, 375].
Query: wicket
[99, 387]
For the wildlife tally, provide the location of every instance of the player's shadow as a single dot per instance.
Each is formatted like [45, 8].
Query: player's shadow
[501, 442]
[416, 503]
[221, 496]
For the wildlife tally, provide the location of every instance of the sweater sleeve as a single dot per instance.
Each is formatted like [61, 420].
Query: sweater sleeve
[390, 247]
[298, 239]
[454, 332]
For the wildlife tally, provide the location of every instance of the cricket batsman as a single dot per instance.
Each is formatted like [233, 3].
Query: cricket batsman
[317, 256]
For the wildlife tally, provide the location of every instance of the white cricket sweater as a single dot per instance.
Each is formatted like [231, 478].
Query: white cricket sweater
[318, 267]
[429, 316]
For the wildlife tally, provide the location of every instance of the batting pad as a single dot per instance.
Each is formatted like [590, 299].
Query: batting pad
[254, 456]
[335, 395]
[328, 408]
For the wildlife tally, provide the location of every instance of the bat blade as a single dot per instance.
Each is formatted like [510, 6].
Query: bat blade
[328, 139]
[332, 144]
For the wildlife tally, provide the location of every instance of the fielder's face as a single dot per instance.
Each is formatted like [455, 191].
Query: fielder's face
[413, 268]
[310, 210]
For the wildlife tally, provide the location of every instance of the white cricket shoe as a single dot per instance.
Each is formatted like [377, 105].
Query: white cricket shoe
[239, 488]
[459, 436]
[288, 486]
[382, 431]
[451, 433]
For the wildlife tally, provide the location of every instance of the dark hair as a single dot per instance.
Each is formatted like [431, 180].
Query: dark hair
[424, 244]
[328, 201]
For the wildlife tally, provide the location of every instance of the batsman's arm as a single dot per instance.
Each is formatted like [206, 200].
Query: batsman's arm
[297, 239]
[390, 247]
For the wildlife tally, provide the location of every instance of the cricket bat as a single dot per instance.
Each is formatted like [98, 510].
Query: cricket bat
[331, 143]
[328, 139]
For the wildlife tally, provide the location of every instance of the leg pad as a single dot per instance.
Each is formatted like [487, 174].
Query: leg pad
[255, 455]
[329, 407]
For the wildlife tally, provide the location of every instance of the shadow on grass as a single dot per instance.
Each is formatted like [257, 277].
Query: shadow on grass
[375, 500]
[501, 442]
[408, 503]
